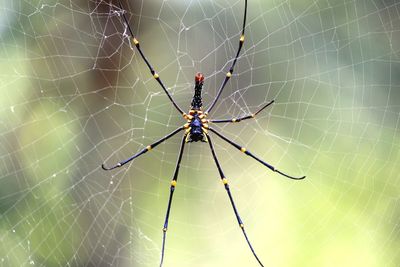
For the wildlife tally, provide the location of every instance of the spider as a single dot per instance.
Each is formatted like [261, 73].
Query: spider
[197, 129]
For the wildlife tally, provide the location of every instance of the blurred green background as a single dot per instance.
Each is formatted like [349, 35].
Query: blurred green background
[74, 94]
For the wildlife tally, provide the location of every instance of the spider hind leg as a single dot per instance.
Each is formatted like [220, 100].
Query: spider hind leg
[228, 191]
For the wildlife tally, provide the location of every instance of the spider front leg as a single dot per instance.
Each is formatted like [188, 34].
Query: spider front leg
[231, 69]
[228, 191]
[244, 117]
[144, 150]
[155, 75]
[248, 153]
[171, 194]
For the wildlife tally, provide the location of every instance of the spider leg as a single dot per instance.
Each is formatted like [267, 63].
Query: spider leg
[153, 72]
[144, 150]
[226, 185]
[244, 117]
[229, 73]
[248, 153]
[171, 194]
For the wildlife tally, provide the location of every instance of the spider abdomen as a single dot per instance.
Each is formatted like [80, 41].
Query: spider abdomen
[196, 101]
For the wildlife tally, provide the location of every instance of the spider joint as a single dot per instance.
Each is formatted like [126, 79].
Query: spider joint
[187, 135]
[187, 117]
[148, 147]
[243, 149]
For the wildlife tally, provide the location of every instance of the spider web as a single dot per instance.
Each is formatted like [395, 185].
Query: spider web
[75, 94]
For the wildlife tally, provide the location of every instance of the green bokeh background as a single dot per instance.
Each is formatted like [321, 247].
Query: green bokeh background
[73, 95]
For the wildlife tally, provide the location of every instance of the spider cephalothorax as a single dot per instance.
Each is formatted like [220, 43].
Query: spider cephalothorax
[197, 129]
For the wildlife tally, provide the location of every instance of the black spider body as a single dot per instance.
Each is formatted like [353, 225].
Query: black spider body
[197, 129]
[196, 123]
[197, 103]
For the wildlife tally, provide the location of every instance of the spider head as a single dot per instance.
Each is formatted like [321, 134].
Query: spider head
[199, 78]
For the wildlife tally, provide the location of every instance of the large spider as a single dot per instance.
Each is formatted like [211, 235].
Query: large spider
[197, 129]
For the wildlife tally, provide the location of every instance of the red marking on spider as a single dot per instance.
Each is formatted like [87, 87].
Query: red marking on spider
[199, 78]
